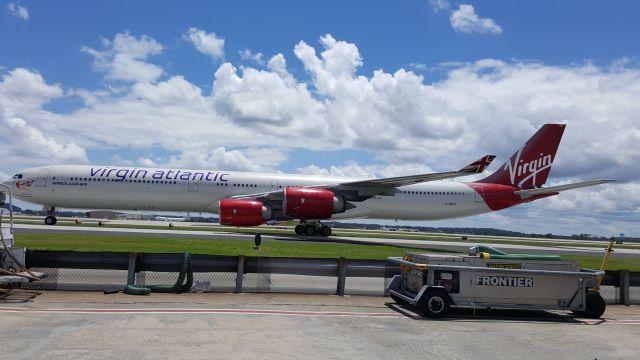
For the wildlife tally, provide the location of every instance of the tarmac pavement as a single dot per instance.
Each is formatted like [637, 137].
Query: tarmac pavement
[79, 325]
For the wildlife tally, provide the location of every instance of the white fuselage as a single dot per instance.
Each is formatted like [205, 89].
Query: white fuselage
[126, 188]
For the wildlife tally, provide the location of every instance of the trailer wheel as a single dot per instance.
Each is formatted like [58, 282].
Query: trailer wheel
[595, 306]
[435, 304]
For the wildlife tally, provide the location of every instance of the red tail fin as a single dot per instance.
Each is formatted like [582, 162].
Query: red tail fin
[529, 167]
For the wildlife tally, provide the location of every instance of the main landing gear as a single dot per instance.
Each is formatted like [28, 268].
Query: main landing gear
[312, 227]
[50, 219]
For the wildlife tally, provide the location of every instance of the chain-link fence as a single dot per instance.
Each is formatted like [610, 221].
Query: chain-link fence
[113, 271]
[610, 294]
[84, 271]
[634, 294]
[78, 279]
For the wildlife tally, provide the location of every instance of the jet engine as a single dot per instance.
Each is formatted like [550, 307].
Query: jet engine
[235, 212]
[306, 203]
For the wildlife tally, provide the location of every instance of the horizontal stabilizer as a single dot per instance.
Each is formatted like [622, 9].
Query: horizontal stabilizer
[556, 189]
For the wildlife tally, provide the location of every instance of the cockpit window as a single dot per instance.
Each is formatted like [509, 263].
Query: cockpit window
[17, 176]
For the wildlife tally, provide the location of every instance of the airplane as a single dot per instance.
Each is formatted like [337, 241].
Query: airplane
[172, 218]
[251, 198]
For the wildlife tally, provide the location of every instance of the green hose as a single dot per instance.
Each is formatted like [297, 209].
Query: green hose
[486, 255]
[137, 290]
[178, 287]
[489, 249]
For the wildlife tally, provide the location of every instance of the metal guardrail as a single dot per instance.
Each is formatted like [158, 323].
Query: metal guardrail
[71, 270]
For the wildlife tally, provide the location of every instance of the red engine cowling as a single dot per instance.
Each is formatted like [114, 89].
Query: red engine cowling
[305, 203]
[243, 212]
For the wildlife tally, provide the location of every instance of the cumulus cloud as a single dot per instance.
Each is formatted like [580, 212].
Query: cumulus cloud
[397, 116]
[466, 20]
[18, 11]
[335, 66]
[25, 144]
[124, 58]
[22, 90]
[265, 99]
[418, 66]
[254, 118]
[175, 91]
[218, 158]
[206, 43]
[353, 169]
[24, 125]
[249, 55]
[439, 5]
[202, 156]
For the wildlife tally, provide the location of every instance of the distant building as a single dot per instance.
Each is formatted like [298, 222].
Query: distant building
[129, 216]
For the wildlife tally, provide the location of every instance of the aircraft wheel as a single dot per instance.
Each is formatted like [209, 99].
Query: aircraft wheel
[299, 229]
[50, 220]
[310, 230]
[325, 231]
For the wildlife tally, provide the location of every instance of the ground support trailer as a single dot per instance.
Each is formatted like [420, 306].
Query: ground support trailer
[433, 283]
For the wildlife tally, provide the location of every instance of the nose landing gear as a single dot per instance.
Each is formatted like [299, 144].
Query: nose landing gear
[312, 227]
[50, 219]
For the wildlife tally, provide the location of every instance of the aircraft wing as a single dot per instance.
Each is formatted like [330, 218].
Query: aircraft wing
[475, 167]
[363, 189]
[556, 189]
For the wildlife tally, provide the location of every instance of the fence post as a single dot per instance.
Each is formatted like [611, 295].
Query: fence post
[342, 275]
[239, 274]
[624, 287]
[131, 270]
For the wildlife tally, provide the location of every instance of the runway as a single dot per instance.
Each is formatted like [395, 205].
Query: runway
[565, 249]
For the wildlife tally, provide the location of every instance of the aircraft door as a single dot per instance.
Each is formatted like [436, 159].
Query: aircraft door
[194, 185]
[43, 176]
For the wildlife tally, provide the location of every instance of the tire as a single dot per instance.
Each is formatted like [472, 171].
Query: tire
[595, 306]
[310, 230]
[325, 231]
[435, 304]
[398, 300]
[299, 229]
[50, 220]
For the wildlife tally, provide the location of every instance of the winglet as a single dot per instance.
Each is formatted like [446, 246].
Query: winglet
[479, 165]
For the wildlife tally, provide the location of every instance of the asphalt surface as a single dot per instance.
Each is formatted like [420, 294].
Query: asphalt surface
[565, 249]
[80, 325]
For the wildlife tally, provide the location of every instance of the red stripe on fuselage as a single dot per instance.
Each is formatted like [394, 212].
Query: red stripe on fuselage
[498, 196]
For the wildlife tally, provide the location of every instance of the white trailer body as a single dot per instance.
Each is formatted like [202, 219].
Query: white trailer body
[471, 281]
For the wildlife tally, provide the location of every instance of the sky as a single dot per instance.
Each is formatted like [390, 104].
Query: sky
[356, 88]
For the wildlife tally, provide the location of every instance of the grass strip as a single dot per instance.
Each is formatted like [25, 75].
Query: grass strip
[100, 243]
[338, 232]
[204, 246]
